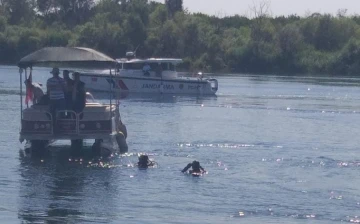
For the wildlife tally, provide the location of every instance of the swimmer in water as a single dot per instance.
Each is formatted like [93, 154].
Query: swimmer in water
[196, 167]
[145, 162]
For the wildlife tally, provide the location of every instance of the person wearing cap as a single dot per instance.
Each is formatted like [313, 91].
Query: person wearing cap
[196, 167]
[56, 90]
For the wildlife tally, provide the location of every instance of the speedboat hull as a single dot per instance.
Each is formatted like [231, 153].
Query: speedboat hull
[118, 83]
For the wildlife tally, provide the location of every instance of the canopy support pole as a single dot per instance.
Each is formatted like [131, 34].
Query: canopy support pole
[111, 88]
[21, 94]
[27, 103]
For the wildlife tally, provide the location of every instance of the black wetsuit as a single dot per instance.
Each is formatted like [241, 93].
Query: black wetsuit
[196, 168]
[144, 162]
[80, 99]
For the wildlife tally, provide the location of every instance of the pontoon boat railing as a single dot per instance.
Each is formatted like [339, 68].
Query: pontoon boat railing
[73, 120]
[80, 118]
[33, 114]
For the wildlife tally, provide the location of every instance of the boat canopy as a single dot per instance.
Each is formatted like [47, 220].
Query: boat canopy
[151, 60]
[67, 57]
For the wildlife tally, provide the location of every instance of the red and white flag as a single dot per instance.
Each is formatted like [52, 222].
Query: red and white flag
[29, 92]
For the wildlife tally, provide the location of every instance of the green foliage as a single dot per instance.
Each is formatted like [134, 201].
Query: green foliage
[3, 48]
[315, 61]
[263, 29]
[319, 43]
[71, 13]
[158, 17]
[174, 6]
[3, 23]
[134, 31]
[18, 11]
[101, 35]
[57, 38]
[290, 40]
[348, 59]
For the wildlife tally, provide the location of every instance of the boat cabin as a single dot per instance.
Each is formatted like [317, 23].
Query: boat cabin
[151, 67]
[152, 75]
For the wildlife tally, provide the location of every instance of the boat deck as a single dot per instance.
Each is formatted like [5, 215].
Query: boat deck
[97, 121]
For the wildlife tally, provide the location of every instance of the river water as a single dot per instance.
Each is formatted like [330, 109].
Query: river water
[277, 150]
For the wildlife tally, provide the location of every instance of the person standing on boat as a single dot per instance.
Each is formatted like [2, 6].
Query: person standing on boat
[69, 83]
[159, 70]
[196, 167]
[56, 90]
[78, 94]
[146, 69]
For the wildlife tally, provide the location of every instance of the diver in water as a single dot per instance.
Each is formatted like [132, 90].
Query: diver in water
[145, 162]
[196, 167]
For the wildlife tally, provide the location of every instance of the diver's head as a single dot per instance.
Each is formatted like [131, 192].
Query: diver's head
[195, 164]
[143, 159]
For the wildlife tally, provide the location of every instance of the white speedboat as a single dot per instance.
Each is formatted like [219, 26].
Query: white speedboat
[153, 75]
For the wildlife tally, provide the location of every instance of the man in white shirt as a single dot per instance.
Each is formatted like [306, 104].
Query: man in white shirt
[56, 90]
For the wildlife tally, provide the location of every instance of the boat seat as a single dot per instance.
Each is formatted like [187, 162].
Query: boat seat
[97, 112]
[92, 111]
[40, 107]
[32, 114]
[98, 107]
[95, 116]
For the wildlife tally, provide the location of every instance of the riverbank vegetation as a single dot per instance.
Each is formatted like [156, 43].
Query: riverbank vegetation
[317, 43]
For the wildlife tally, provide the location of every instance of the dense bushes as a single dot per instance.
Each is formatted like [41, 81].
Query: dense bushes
[318, 43]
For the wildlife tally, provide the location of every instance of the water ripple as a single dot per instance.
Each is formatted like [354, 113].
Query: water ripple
[226, 145]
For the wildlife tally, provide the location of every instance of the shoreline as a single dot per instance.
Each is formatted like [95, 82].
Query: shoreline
[235, 74]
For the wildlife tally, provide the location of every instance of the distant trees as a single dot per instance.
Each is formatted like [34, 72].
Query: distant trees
[317, 43]
[174, 6]
[70, 12]
[17, 11]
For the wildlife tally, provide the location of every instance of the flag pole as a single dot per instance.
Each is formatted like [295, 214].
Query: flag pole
[27, 102]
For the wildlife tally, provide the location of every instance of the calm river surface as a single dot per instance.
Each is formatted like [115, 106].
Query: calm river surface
[277, 149]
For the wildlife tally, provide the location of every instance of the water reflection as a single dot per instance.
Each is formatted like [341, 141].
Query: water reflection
[320, 80]
[53, 189]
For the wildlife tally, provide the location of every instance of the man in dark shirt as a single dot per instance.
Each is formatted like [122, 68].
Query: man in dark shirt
[78, 94]
[69, 85]
[196, 167]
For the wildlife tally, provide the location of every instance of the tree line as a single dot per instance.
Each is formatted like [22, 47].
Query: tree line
[316, 43]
